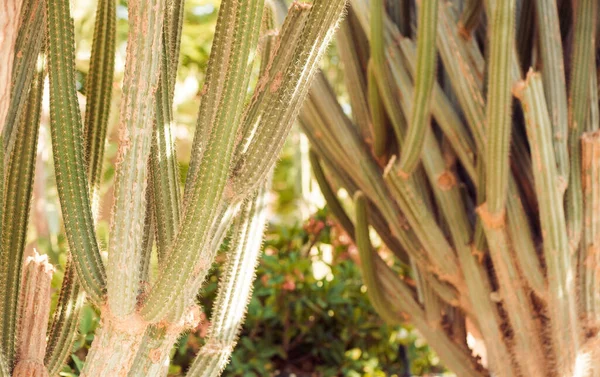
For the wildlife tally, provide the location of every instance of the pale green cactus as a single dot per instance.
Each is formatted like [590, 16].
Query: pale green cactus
[235, 147]
[492, 203]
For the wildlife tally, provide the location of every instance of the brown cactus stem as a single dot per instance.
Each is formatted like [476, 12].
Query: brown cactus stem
[115, 344]
[35, 310]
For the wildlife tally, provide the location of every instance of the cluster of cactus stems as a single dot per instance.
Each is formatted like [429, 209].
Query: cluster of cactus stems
[236, 143]
[472, 149]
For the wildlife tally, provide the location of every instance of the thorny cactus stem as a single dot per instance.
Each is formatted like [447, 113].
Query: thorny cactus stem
[142, 69]
[35, 308]
[9, 26]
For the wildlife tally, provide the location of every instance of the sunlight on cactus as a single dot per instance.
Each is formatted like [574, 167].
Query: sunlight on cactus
[471, 149]
[235, 147]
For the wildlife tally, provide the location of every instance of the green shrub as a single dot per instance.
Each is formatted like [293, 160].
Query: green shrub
[306, 325]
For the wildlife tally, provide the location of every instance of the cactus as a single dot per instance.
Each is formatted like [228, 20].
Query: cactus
[490, 205]
[142, 316]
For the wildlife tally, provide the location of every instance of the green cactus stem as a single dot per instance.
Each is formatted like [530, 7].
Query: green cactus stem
[424, 79]
[65, 322]
[69, 161]
[15, 214]
[235, 288]
[99, 90]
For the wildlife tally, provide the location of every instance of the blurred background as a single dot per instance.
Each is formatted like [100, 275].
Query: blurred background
[309, 314]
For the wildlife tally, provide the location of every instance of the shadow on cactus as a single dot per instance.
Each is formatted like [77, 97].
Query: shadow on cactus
[235, 146]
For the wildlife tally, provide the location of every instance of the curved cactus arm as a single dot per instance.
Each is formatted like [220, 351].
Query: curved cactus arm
[318, 160]
[363, 243]
[208, 187]
[63, 330]
[448, 120]
[332, 201]
[420, 117]
[376, 70]
[135, 137]
[33, 322]
[67, 145]
[287, 88]
[27, 48]
[499, 105]
[470, 17]
[99, 90]
[235, 288]
[379, 74]
[561, 289]
[18, 186]
[586, 14]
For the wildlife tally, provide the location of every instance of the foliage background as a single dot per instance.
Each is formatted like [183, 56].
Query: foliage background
[309, 315]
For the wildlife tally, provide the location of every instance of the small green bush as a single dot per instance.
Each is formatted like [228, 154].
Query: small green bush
[300, 324]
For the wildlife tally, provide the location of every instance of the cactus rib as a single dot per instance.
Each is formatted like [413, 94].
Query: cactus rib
[499, 100]
[99, 89]
[424, 83]
[67, 145]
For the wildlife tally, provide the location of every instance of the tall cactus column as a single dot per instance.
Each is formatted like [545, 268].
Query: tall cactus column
[122, 329]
